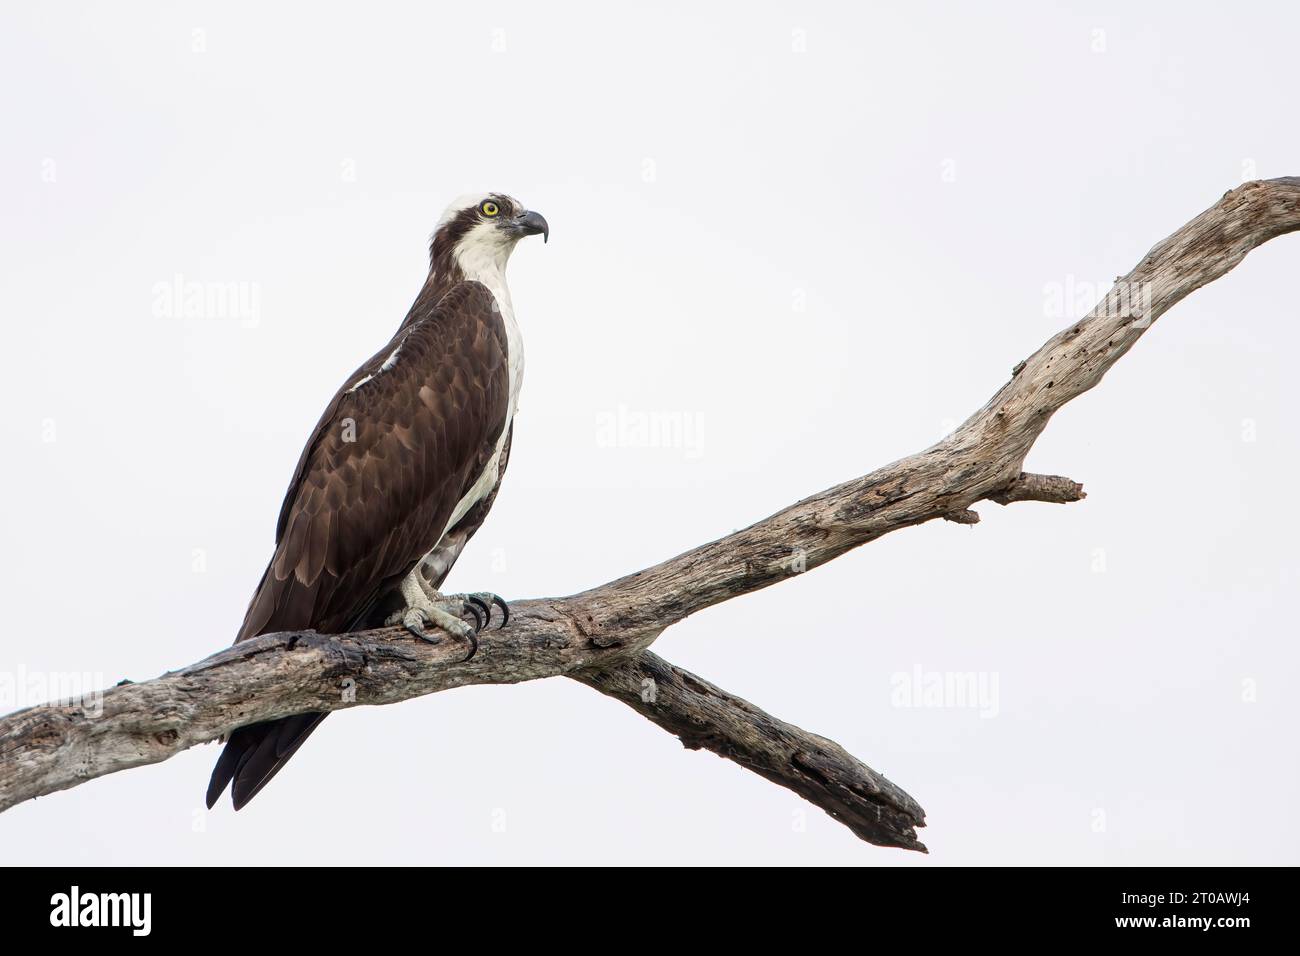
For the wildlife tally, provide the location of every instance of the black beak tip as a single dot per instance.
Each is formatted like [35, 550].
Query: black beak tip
[533, 223]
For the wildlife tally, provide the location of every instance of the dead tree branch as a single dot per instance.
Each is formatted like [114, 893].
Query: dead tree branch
[1051, 488]
[600, 636]
[706, 717]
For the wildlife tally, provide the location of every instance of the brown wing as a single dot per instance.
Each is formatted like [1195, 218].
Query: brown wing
[401, 443]
[395, 451]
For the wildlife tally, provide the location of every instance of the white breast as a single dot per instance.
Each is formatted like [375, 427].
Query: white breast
[485, 262]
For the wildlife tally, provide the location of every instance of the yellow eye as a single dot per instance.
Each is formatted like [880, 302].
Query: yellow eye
[490, 208]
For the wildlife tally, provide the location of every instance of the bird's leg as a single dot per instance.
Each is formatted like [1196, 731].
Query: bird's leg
[426, 605]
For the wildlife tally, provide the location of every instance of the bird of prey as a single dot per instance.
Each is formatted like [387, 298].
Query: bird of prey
[399, 473]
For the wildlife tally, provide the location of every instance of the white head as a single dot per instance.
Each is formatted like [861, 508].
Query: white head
[477, 233]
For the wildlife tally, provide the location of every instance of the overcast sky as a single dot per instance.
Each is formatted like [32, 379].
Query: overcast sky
[807, 239]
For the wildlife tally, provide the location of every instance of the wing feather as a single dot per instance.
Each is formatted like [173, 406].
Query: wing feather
[385, 467]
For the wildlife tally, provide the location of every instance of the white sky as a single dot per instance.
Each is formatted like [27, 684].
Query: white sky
[813, 263]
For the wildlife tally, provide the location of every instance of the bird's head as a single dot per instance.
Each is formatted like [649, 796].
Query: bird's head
[481, 230]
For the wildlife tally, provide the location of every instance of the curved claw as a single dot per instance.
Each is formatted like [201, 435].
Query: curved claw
[472, 609]
[473, 646]
[477, 604]
[505, 610]
[417, 630]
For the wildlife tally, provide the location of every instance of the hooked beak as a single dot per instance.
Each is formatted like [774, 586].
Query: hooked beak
[531, 224]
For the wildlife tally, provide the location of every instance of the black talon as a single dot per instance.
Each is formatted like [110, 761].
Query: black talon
[505, 610]
[420, 633]
[473, 647]
[477, 615]
[479, 605]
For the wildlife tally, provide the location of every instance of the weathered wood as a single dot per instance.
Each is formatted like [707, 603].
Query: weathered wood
[49, 748]
[706, 717]
[1051, 488]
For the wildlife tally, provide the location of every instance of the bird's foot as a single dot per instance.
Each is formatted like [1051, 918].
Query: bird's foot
[481, 601]
[444, 615]
[445, 612]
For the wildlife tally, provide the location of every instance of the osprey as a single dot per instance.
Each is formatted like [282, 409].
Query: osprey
[399, 473]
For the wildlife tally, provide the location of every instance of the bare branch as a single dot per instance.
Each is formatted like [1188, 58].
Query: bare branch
[1051, 488]
[706, 717]
[53, 747]
[49, 748]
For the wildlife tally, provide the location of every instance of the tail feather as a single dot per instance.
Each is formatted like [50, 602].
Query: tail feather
[254, 754]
